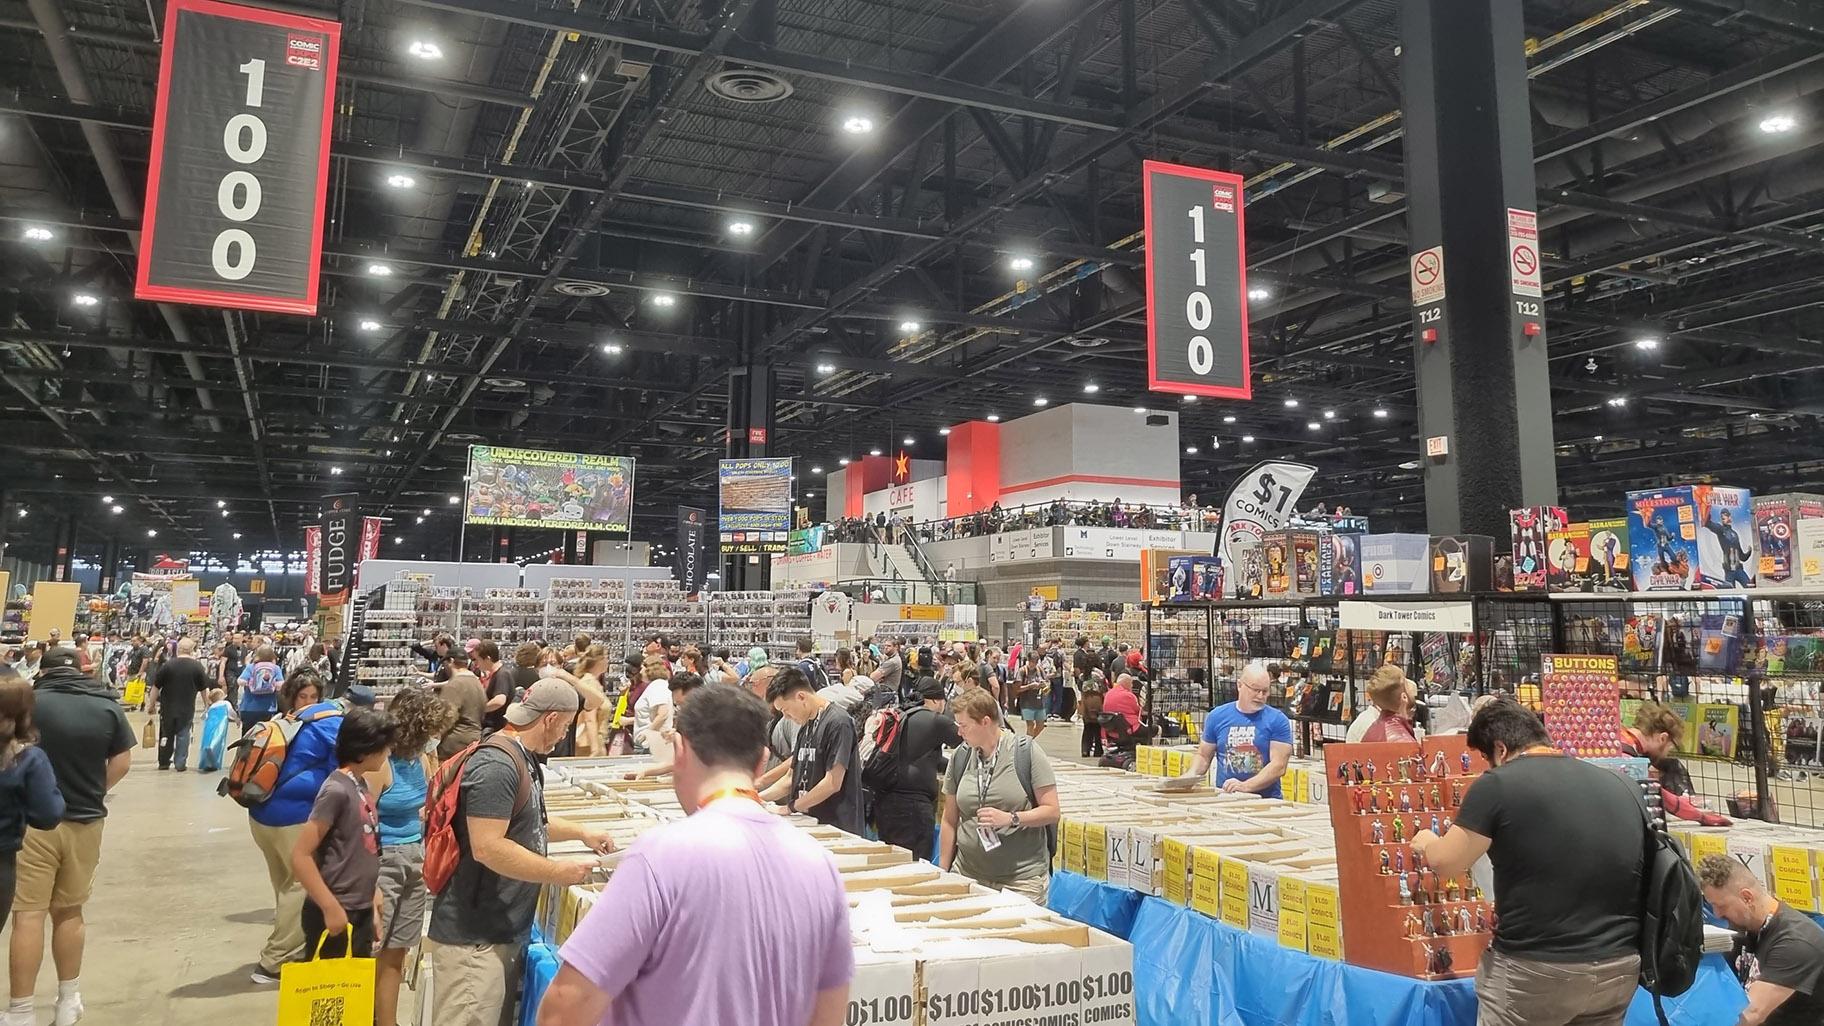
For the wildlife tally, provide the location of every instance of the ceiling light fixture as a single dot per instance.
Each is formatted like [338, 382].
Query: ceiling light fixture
[1190, 398]
[582, 76]
[335, 470]
[843, 461]
[400, 180]
[943, 431]
[1291, 404]
[826, 368]
[1020, 264]
[1779, 124]
[1228, 418]
[1618, 401]
[816, 470]
[1259, 293]
[424, 512]
[1380, 413]
[425, 50]
[397, 539]
[379, 270]
[740, 227]
[1599, 438]
[421, 520]
[86, 299]
[151, 532]
[1247, 438]
[664, 299]
[1190, 450]
[1041, 401]
[858, 124]
[611, 348]
[1329, 414]
[38, 233]
[1312, 425]
[237, 536]
[1092, 388]
[107, 499]
[910, 327]
[993, 418]
[369, 325]
[873, 452]
[454, 499]
[1139, 409]
[1646, 343]
[224, 514]
[118, 509]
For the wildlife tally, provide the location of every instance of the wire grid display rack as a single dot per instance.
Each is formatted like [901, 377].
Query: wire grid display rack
[1743, 671]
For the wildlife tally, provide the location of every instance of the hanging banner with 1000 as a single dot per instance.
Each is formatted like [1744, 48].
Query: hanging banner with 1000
[1196, 282]
[240, 158]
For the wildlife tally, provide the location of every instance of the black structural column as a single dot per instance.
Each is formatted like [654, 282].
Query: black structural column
[64, 568]
[750, 434]
[1485, 411]
[110, 562]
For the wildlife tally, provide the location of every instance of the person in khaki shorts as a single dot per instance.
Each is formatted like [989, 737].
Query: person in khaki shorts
[483, 915]
[85, 734]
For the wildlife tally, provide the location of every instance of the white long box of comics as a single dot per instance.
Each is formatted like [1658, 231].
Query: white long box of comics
[931, 948]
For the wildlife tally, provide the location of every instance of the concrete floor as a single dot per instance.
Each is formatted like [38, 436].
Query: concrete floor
[180, 909]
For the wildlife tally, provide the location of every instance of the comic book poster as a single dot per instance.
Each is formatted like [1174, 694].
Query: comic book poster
[1726, 537]
[1662, 539]
[1716, 731]
[1440, 659]
[1567, 558]
[1608, 555]
[537, 488]
[1719, 642]
[1323, 652]
[1679, 646]
[1687, 714]
[1640, 645]
[1530, 528]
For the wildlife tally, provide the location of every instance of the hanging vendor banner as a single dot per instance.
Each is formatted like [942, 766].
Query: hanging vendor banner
[756, 498]
[1196, 282]
[568, 491]
[313, 559]
[1262, 500]
[341, 538]
[240, 158]
[691, 566]
[370, 539]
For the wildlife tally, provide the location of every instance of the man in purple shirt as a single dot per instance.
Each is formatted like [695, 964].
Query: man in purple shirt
[689, 927]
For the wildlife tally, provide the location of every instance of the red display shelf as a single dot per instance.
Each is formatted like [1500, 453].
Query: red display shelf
[1407, 787]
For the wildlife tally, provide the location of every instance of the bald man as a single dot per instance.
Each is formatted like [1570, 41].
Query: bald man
[1781, 956]
[1249, 741]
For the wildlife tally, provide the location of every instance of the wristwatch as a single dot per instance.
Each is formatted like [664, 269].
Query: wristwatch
[1016, 821]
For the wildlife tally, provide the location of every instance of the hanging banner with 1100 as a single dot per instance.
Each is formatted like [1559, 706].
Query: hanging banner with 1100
[240, 158]
[1196, 282]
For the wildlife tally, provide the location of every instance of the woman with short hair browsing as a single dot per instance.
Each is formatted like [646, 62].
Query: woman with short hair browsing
[1001, 803]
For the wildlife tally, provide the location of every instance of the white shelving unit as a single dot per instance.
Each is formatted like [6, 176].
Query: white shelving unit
[385, 662]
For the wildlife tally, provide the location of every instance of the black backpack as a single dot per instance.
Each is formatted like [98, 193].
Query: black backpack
[1671, 919]
[880, 748]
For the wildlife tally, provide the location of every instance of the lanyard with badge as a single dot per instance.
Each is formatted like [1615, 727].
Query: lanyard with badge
[984, 780]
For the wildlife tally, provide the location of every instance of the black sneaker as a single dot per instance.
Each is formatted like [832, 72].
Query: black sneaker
[262, 976]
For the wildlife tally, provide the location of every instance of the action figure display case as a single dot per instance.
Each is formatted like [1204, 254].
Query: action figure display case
[1398, 915]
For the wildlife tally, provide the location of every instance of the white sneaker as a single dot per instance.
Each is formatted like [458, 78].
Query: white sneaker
[68, 1012]
[17, 1019]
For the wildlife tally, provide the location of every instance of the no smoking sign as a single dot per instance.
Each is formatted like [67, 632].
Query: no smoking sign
[1523, 253]
[1428, 276]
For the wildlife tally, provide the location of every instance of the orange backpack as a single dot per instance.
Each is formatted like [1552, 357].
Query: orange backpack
[257, 761]
[442, 849]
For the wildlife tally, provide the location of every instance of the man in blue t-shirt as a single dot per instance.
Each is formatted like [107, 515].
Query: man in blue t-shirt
[1249, 741]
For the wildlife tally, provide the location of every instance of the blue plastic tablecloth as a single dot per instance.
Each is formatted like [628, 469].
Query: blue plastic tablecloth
[540, 969]
[1191, 970]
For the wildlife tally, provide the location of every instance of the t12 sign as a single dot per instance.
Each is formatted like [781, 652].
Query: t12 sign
[240, 158]
[1196, 282]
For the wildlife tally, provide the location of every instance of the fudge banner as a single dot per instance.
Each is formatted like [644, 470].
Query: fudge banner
[756, 499]
[566, 491]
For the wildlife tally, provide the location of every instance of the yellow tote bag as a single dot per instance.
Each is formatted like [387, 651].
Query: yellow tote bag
[327, 992]
[135, 692]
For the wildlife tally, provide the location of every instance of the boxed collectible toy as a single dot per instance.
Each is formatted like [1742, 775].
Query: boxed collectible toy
[1195, 579]
[1462, 563]
[1567, 558]
[1531, 528]
[1609, 555]
[1249, 569]
[1345, 563]
[1291, 559]
[1395, 564]
[1776, 526]
[1692, 536]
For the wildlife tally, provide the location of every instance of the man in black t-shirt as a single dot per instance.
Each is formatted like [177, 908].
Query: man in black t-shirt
[905, 813]
[1566, 840]
[234, 660]
[174, 690]
[825, 781]
[1780, 958]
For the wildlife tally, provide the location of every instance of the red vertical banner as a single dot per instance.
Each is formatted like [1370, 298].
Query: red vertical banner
[370, 537]
[313, 558]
